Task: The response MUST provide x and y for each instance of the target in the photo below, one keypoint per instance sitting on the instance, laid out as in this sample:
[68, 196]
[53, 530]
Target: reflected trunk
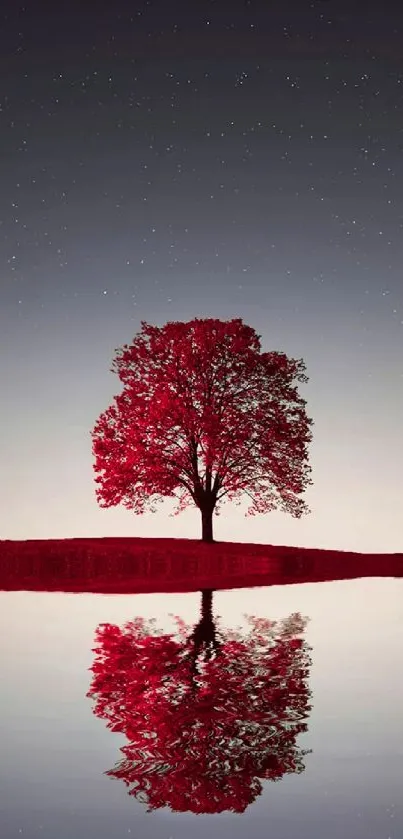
[203, 639]
[207, 605]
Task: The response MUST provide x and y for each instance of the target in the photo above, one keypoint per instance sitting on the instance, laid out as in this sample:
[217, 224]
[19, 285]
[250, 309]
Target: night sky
[170, 160]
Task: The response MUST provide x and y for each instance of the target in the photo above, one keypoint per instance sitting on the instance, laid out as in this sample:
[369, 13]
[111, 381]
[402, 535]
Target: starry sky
[164, 161]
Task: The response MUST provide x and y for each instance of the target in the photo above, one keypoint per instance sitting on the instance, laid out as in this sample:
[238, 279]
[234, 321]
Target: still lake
[348, 776]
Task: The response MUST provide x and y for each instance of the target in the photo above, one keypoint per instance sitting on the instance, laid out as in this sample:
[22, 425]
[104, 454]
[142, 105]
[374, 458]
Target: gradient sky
[164, 161]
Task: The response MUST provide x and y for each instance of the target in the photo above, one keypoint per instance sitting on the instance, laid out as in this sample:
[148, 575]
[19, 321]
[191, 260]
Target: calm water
[341, 777]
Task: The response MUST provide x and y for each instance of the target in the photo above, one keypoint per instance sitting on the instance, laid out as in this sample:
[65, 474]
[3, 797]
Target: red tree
[203, 414]
[207, 715]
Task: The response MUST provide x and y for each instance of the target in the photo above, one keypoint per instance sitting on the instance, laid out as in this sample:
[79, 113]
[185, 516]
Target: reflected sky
[55, 752]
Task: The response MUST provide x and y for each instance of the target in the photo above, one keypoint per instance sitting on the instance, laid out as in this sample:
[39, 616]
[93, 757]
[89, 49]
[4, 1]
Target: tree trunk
[207, 524]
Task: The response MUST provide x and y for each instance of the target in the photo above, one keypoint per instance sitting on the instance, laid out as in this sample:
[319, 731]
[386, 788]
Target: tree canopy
[204, 414]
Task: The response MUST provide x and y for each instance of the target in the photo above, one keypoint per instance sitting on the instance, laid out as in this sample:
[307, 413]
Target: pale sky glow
[54, 397]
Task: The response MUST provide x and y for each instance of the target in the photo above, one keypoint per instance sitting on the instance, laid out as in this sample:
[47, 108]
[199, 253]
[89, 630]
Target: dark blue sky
[164, 161]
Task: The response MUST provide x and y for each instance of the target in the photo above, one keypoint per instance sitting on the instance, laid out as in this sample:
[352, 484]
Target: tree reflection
[208, 713]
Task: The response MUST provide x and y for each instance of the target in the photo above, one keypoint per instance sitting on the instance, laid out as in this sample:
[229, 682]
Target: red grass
[133, 565]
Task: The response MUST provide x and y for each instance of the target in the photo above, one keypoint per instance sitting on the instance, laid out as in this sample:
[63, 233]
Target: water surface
[56, 750]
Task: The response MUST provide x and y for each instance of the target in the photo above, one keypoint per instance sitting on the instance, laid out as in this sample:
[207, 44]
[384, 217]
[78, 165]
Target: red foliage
[202, 739]
[203, 414]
